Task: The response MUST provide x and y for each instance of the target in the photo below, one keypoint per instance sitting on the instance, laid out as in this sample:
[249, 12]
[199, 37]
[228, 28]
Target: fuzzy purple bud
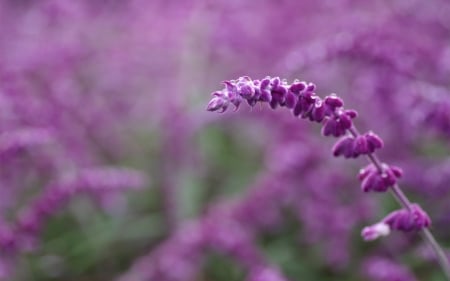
[298, 108]
[318, 111]
[373, 180]
[330, 127]
[278, 96]
[345, 122]
[373, 142]
[265, 83]
[334, 126]
[216, 103]
[247, 91]
[265, 96]
[290, 100]
[297, 87]
[275, 82]
[361, 145]
[351, 113]
[344, 147]
[333, 102]
[408, 220]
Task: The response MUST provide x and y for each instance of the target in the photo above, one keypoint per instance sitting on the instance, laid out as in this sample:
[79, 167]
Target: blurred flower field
[113, 168]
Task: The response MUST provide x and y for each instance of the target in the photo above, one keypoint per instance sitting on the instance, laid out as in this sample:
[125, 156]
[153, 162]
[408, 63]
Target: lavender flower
[298, 96]
[73, 102]
[302, 100]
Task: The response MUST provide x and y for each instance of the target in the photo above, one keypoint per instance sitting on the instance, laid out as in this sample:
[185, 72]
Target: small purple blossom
[408, 220]
[374, 180]
[402, 220]
[298, 97]
[351, 147]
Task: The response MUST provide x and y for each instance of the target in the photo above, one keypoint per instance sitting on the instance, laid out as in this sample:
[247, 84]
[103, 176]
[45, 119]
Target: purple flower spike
[300, 97]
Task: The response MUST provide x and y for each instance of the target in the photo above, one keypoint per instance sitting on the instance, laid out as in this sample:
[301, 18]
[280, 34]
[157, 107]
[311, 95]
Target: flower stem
[398, 194]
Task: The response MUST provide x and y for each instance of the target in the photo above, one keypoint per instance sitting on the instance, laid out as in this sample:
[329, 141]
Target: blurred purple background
[113, 170]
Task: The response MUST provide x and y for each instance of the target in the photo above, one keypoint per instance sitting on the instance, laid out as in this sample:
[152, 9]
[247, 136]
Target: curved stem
[406, 203]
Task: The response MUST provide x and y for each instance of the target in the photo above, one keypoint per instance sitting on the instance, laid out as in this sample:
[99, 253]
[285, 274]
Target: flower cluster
[374, 180]
[301, 99]
[298, 96]
[351, 147]
[404, 220]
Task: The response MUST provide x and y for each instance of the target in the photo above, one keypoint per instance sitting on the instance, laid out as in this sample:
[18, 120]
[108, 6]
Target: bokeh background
[111, 169]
